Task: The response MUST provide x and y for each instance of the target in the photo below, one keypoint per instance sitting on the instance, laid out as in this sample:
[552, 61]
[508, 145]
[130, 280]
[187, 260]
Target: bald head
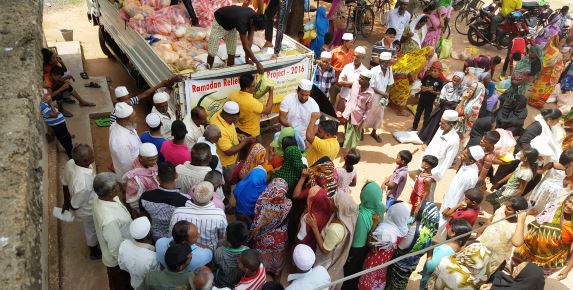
[212, 133]
[83, 155]
[185, 232]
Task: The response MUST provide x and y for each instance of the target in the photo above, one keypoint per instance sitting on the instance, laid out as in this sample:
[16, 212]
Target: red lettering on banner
[230, 81]
[276, 74]
[206, 87]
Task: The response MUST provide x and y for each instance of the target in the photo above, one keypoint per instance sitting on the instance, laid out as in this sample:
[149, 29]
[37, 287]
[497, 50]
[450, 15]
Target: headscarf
[291, 169]
[527, 68]
[323, 173]
[453, 93]
[272, 207]
[370, 204]
[484, 75]
[472, 108]
[249, 189]
[346, 211]
[321, 29]
[256, 156]
[481, 126]
[395, 226]
[319, 206]
[424, 29]
[530, 278]
[475, 258]
[286, 132]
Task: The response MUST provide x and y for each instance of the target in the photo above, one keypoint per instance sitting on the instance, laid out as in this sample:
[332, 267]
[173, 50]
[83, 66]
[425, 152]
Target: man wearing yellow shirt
[507, 6]
[249, 123]
[229, 144]
[322, 140]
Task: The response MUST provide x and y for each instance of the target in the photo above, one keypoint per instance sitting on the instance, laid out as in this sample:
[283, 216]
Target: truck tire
[102, 43]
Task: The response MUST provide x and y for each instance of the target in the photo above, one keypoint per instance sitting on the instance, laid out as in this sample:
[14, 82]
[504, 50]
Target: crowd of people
[202, 203]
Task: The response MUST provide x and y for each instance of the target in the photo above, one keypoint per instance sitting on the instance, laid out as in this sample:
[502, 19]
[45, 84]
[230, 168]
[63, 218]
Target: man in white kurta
[136, 255]
[444, 145]
[381, 79]
[297, 109]
[166, 115]
[124, 141]
[466, 178]
[350, 74]
[311, 277]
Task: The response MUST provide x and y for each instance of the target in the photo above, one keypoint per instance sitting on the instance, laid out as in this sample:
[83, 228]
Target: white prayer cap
[203, 192]
[360, 50]
[405, 1]
[147, 150]
[348, 36]
[366, 73]
[385, 55]
[231, 108]
[121, 91]
[326, 54]
[160, 97]
[153, 120]
[303, 257]
[139, 227]
[477, 152]
[123, 110]
[450, 115]
[305, 85]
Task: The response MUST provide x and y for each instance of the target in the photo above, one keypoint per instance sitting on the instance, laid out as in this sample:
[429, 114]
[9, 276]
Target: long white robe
[444, 147]
[464, 179]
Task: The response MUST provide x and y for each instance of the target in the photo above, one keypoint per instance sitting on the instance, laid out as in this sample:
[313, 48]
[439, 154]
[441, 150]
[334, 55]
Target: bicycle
[467, 15]
[381, 7]
[360, 18]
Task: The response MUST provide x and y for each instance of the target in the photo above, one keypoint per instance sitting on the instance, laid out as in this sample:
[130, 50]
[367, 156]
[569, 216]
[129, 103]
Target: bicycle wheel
[366, 22]
[350, 18]
[463, 20]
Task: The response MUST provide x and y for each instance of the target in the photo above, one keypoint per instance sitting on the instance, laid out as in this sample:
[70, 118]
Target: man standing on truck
[228, 21]
[249, 123]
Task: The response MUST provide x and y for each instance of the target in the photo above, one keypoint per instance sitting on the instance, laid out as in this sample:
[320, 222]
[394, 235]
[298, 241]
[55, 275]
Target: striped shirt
[324, 79]
[253, 282]
[132, 102]
[210, 220]
[46, 110]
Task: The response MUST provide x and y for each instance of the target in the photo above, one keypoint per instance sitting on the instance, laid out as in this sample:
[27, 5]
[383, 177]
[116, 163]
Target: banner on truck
[212, 94]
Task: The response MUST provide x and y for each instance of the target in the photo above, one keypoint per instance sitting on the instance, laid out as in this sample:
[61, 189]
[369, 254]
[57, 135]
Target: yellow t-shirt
[228, 139]
[508, 6]
[322, 147]
[250, 110]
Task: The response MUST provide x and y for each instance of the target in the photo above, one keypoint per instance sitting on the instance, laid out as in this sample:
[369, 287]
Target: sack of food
[263, 85]
[173, 14]
[156, 4]
[157, 25]
[196, 33]
[134, 7]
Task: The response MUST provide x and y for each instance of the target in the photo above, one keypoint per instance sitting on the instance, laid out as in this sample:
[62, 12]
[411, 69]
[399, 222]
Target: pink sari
[433, 36]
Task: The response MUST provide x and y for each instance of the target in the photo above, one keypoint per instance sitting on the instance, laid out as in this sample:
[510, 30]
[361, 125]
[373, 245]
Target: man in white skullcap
[166, 115]
[466, 178]
[154, 135]
[324, 74]
[195, 123]
[444, 145]
[382, 78]
[348, 76]
[298, 109]
[229, 144]
[143, 176]
[341, 56]
[77, 181]
[123, 139]
[122, 94]
[309, 278]
[398, 18]
[358, 107]
[137, 255]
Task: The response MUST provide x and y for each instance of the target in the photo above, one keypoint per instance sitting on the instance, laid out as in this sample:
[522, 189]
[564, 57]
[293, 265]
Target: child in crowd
[61, 89]
[487, 143]
[457, 228]
[226, 256]
[468, 209]
[55, 120]
[424, 183]
[347, 173]
[432, 85]
[327, 41]
[396, 182]
[517, 180]
[216, 179]
[254, 274]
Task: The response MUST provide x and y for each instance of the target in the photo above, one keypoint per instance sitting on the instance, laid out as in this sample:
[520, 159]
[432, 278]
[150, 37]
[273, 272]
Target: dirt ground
[377, 160]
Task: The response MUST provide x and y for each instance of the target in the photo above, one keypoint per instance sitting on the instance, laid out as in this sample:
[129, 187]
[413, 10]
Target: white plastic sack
[407, 137]
[216, 64]
[416, 87]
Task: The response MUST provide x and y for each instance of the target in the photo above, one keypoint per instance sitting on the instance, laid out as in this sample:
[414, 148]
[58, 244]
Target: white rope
[356, 275]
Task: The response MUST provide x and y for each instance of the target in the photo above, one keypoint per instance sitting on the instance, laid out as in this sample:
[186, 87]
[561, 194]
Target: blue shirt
[157, 141]
[201, 256]
[439, 253]
[46, 111]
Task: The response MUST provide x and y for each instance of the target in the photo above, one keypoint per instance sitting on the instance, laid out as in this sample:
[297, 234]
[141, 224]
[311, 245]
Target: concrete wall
[20, 149]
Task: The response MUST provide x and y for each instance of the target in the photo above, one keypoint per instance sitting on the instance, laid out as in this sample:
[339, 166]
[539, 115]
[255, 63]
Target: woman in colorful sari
[551, 71]
[568, 126]
[370, 213]
[269, 229]
[405, 71]
[550, 30]
[414, 35]
[336, 14]
[291, 168]
[548, 240]
[491, 99]
[321, 29]
[527, 70]
[469, 107]
[319, 206]
[422, 233]
[434, 25]
[384, 239]
[257, 156]
[467, 270]
[323, 170]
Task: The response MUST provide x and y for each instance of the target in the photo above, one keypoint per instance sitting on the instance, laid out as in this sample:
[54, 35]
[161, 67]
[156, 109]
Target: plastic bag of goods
[138, 25]
[197, 33]
[240, 52]
[407, 137]
[263, 85]
[134, 7]
[166, 52]
[157, 25]
[446, 48]
[173, 14]
[156, 4]
[504, 147]
[184, 63]
[179, 31]
[217, 63]
[205, 10]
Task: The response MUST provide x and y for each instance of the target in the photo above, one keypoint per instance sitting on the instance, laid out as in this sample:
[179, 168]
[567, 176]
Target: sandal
[92, 85]
[103, 122]
[67, 114]
[69, 101]
[87, 104]
[84, 75]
